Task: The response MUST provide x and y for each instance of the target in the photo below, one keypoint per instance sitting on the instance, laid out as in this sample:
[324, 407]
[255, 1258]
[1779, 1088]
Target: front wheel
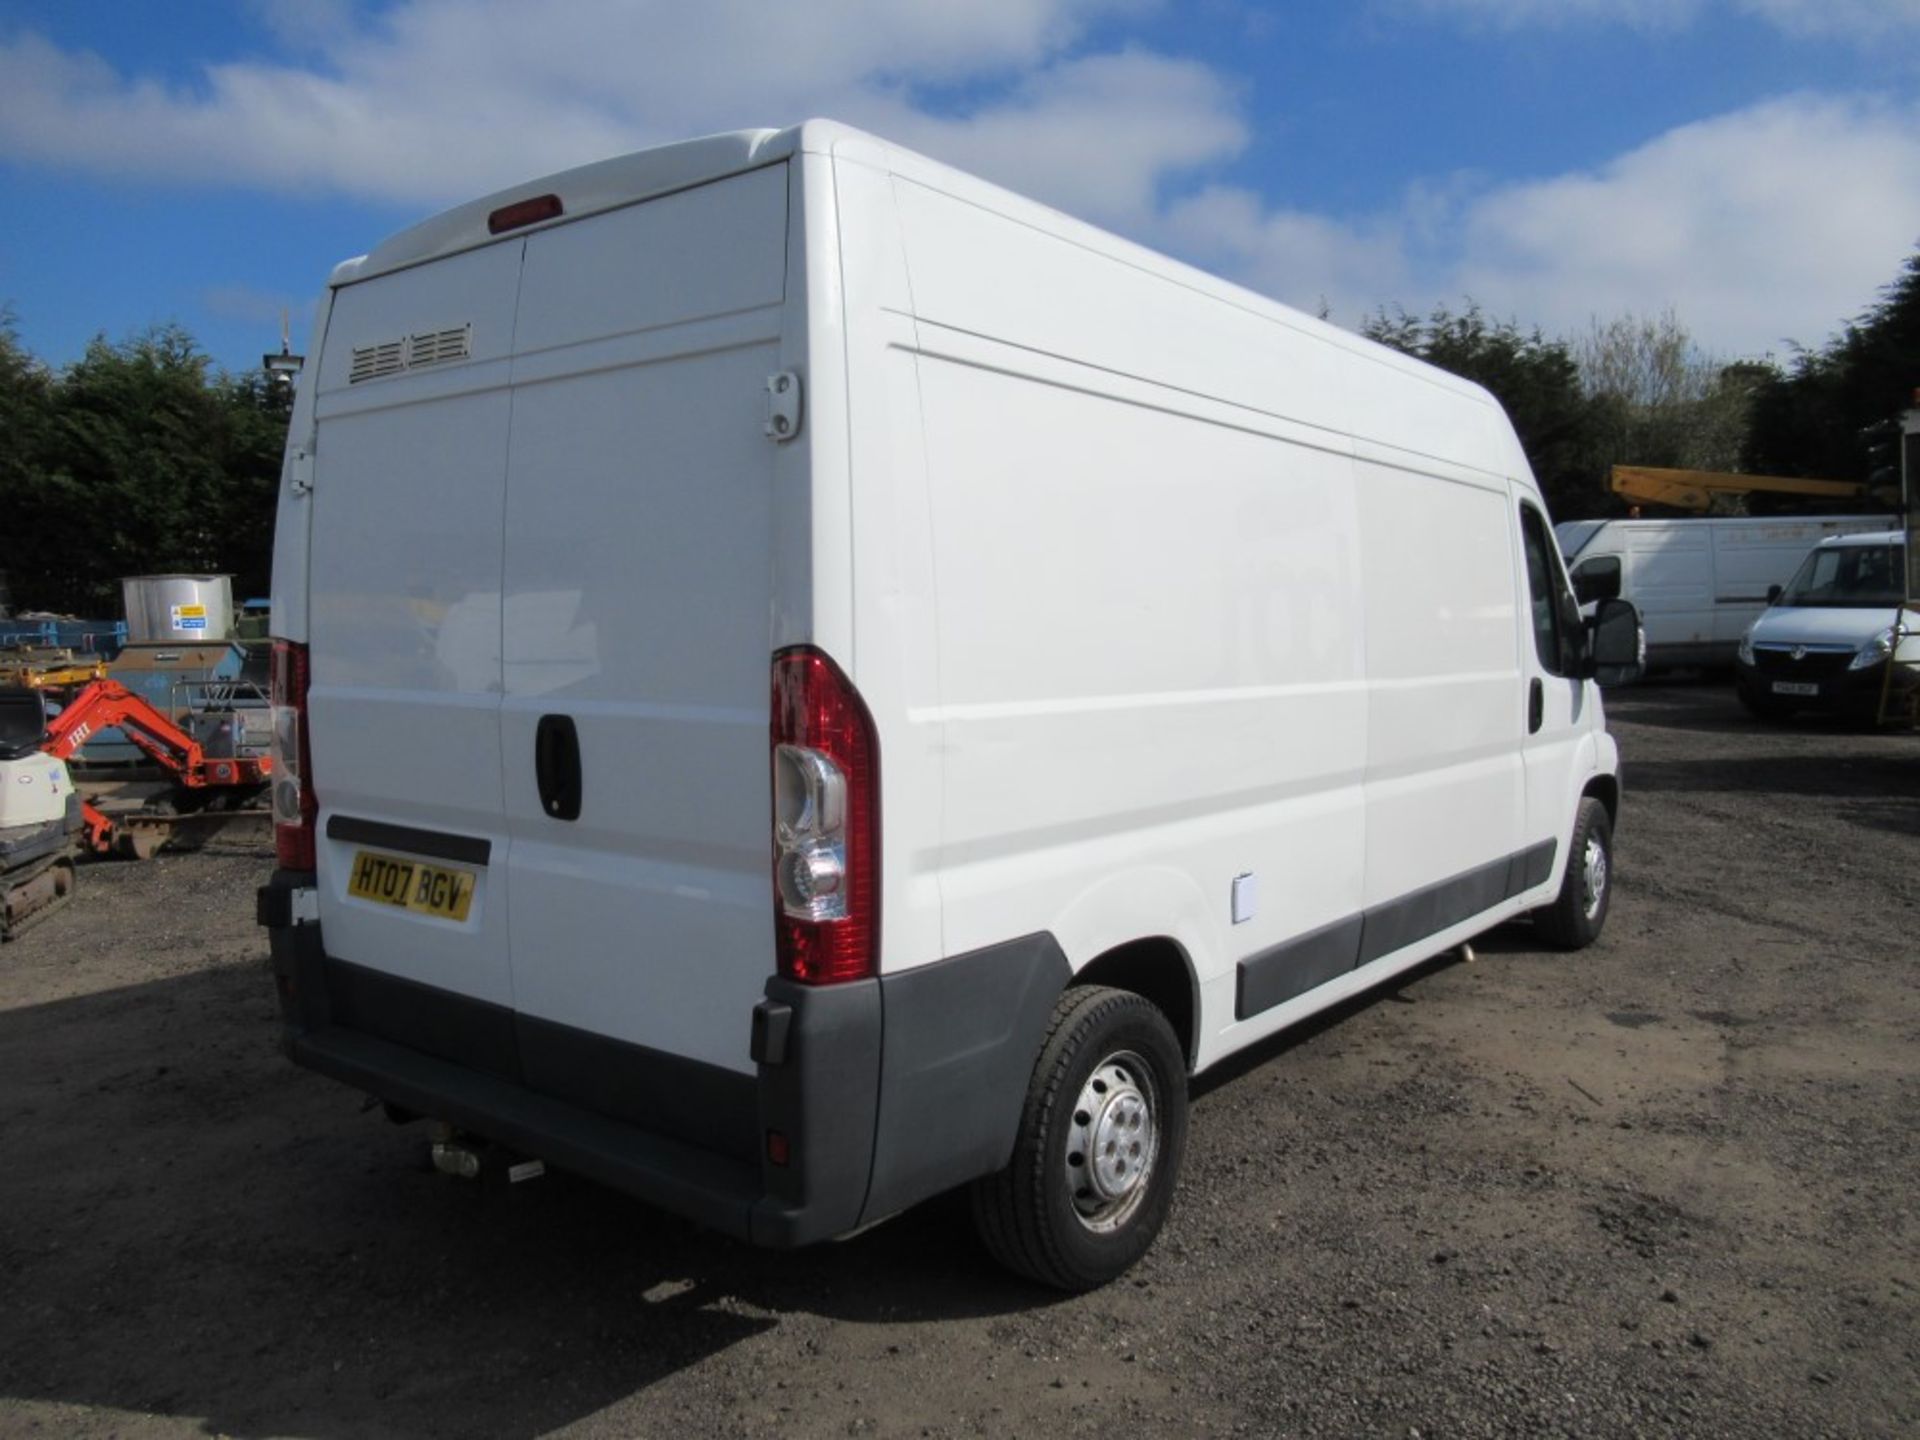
[1574, 919]
[1098, 1151]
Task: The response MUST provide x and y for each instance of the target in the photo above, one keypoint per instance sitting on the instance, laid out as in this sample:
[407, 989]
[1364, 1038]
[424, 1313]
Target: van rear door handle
[556, 766]
[1536, 705]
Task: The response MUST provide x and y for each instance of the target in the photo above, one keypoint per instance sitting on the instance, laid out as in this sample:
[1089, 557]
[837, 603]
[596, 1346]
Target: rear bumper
[848, 1075]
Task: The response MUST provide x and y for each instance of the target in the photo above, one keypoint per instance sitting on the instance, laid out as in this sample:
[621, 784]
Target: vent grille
[390, 357]
[438, 348]
[372, 361]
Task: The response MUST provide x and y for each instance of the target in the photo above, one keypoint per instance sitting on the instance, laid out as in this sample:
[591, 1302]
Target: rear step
[711, 1189]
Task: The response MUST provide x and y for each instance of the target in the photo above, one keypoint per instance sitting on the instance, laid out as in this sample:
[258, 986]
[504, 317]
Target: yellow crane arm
[1695, 489]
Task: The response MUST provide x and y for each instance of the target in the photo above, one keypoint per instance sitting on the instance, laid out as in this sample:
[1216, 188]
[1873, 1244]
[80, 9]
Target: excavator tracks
[30, 895]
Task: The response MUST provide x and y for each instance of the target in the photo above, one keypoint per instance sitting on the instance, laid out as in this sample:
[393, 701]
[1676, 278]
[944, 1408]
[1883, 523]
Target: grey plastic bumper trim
[1276, 976]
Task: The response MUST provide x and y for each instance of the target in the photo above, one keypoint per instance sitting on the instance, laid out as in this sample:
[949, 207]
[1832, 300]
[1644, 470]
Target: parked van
[805, 680]
[1698, 583]
[1827, 637]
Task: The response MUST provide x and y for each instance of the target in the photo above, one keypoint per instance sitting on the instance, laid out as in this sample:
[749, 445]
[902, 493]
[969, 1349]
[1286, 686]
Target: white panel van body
[1698, 582]
[789, 655]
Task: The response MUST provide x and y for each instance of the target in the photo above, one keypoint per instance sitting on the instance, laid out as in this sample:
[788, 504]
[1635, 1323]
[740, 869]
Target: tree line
[139, 458]
[1638, 391]
[143, 458]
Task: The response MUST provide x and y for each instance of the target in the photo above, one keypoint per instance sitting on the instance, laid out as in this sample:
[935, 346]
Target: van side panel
[1672, 579]
[1446, 711]
[1069, 290]
[1183, 635]
[1132, 687]
[293, 517]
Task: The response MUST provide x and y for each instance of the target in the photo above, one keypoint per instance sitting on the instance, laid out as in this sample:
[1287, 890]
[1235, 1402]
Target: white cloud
[1844, 19]
[1514, 14]
[435, 101]
[1764, 225]
[1094, 136]
[1312, 262]
[1858, 19]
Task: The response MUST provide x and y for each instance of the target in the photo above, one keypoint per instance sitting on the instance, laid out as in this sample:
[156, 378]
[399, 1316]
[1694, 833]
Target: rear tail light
[294, 805]
[826, 823]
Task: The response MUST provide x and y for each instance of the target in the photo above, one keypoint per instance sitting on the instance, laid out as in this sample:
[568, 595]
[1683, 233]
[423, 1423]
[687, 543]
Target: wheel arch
[1157, 968]
[1605, 789]
[1149, 929]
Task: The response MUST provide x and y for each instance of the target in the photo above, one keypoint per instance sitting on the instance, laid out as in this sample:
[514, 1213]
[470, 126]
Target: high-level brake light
[524, 212]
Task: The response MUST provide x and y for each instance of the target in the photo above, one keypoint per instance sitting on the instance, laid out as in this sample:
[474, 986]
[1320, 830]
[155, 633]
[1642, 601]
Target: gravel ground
[1661, 1188]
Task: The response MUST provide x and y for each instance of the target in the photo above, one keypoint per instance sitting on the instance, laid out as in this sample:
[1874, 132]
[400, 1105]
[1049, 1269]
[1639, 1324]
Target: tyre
[1763, 707]
[1098, 1151]
[1574, 920]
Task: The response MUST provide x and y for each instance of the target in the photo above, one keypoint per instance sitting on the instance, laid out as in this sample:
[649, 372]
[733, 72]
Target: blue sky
[1752, 164]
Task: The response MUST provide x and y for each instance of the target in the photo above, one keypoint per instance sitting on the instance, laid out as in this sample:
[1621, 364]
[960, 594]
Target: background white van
[1698, 582]
[804, 680]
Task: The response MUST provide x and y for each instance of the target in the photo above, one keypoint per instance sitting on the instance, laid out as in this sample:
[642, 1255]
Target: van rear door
[637, 625]
[412, 412]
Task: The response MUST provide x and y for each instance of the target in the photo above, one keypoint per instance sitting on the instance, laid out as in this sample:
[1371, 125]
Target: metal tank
[178, 609]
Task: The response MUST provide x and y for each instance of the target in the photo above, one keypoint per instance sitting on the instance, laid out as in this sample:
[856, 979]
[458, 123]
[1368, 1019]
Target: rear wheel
[1098, 1152]
[1574, 920]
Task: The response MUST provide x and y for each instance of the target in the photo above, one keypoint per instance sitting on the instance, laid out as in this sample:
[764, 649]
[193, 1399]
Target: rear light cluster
[294, 805]
[826, 823]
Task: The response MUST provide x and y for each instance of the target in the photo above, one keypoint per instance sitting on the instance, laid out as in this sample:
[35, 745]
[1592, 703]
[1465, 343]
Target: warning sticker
[189, 617]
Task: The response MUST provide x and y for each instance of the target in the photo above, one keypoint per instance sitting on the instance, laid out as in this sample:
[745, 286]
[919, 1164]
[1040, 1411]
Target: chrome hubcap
[1113, 1142]
[1593, 875]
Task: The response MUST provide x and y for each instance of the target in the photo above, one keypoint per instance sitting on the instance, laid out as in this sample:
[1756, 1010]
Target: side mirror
[1598, 579]
[1616, 644]
[1773, 594]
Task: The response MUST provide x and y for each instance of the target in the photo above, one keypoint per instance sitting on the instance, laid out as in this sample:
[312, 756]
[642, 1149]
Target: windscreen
[1859, 576]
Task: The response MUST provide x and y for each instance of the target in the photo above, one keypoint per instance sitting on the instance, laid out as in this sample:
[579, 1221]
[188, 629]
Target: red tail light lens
[524, 212]
[826, 823]
[294, 805]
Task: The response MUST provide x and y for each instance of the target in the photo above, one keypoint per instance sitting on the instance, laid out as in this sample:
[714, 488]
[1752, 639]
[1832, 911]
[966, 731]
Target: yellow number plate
[410, 885]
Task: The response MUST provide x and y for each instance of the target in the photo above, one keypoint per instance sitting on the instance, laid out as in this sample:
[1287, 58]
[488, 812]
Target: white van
[1828, 635]
[1698, 582]
[805, 680]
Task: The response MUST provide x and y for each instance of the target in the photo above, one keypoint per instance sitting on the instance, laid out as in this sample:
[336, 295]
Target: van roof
[583, 190]
[1734, 522]
[627, 179]
[1869, 537]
